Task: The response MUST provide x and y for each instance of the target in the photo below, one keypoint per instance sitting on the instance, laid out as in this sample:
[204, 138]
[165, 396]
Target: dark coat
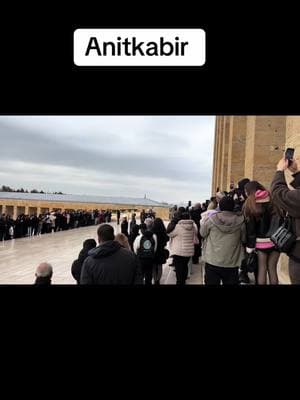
[111, 264]
[160, 255]
[42, 281]
[88, 245]
[124, 228]
[262, 227]
[289, 201]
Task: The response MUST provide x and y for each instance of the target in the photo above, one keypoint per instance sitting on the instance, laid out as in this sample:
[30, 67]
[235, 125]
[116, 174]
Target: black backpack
[146, 250]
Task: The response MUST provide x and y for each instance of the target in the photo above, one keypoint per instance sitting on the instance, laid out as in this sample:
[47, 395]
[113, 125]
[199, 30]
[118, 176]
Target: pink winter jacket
[183, 238]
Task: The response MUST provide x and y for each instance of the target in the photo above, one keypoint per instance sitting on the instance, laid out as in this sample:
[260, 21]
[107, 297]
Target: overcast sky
[168, 158]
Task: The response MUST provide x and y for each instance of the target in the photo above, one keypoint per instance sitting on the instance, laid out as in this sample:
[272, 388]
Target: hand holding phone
[289, 155]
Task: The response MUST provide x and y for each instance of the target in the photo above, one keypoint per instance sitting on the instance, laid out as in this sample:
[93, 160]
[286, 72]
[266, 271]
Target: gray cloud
[150, 153]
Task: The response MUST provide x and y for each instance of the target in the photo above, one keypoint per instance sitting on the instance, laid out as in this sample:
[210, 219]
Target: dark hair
[105, 232]
[158, 226]
[226, 203]
[135, 229]
[253, 186]
[89, 244]
[185, 215]
[181, 209]
[143, 227]
[242, 183]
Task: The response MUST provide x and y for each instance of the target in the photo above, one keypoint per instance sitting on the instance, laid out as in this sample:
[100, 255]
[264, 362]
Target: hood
[105, 249]
[187, 224]
[227, 221]
[148, 234]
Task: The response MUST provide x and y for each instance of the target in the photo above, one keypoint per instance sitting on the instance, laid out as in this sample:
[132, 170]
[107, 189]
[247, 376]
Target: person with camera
[289, 201]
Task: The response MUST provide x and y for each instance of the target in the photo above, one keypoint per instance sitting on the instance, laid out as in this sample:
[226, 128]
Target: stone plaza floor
[20, 257]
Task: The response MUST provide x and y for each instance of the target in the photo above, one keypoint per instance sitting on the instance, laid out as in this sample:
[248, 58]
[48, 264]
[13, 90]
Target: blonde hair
[123, 240]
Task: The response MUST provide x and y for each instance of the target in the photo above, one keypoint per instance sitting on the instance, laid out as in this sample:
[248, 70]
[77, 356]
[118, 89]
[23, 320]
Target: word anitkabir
[127, 47]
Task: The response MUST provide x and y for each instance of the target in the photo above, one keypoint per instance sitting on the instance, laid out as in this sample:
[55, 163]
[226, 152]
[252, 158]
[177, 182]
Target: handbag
[284, 239]
[251, 262]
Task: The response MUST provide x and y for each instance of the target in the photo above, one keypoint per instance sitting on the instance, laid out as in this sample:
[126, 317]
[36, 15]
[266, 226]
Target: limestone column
[292, 138]
[3, 209]
[224, 157]
[26, 210]
[265, 140]
[219, 151]
[15, 212]
[236, 149]
[214, 156]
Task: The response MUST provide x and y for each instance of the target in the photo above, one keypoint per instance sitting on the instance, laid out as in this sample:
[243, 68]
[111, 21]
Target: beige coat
[183, 238]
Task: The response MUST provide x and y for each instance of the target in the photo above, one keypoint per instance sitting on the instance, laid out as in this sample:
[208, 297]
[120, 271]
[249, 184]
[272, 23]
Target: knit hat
[262, 196]
[226, 204]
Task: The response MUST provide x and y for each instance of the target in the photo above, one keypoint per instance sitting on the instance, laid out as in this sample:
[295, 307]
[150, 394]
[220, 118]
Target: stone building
[14, 204]
[250, 147]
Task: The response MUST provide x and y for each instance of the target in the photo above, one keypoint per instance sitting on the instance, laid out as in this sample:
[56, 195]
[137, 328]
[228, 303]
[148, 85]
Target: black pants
[147, 267]
[2, 234]
[215, 275]
[181, 269]
[197, 253]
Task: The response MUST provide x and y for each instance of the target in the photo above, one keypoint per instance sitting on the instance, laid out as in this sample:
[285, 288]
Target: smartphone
[289, 155]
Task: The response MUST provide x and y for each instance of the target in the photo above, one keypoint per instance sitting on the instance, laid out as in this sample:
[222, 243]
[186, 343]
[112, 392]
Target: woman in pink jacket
[182, 246]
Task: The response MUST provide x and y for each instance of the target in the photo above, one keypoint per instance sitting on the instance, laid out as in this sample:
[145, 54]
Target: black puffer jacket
[111, 264]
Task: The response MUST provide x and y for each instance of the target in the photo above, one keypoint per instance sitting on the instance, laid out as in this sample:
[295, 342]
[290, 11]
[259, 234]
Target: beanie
[226, 204]
[262, 196]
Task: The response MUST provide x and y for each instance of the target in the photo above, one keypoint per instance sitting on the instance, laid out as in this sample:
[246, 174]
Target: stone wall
[250, 146]
[255, 144]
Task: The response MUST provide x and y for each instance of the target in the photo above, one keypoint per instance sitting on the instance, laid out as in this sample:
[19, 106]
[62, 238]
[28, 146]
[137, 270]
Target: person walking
[161, 254]
[124, 226]
[145, 246]
[118, 217]
[182, 246]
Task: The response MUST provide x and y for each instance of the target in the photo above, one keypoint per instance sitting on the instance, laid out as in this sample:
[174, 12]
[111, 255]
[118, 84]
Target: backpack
[146, 250]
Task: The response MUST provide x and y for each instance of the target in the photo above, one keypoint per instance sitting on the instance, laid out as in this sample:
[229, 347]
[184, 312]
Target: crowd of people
[235, 233]
[55, 221]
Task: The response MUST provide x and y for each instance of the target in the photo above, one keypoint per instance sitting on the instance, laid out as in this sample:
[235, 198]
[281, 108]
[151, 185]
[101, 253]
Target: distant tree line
[9, 189]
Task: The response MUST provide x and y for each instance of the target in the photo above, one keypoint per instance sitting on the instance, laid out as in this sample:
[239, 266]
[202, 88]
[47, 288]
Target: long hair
[251, 208]
[159, 227]
[123, 240]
